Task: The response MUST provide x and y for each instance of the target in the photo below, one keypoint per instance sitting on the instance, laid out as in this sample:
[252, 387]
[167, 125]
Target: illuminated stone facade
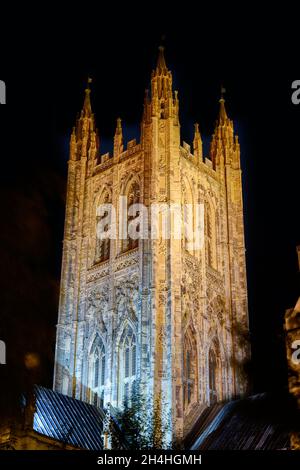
[156, 311]
[292, 329]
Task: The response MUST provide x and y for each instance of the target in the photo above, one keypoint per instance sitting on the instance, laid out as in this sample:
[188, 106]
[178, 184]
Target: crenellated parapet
[105, 161]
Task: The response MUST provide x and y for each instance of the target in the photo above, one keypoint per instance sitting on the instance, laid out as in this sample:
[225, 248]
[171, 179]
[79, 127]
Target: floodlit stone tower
[292, 329]
[155, 310]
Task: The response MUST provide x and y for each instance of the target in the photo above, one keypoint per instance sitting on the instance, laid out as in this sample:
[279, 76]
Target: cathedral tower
[161, 310]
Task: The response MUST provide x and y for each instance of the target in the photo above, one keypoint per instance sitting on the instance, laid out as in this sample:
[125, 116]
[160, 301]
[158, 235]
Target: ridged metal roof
[67, 419]
[256, 423]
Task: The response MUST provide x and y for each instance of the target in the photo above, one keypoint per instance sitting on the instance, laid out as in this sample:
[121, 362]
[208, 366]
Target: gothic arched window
[189, 371]
[188, 217]
[214, 373]
[213, 396]
[103, 220]
[186, 223]
[96, 379]
[133, 227]
[127, 364]
[210, 236]
[96, 369]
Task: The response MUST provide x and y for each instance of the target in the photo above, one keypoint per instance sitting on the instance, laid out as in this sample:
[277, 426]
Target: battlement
[107, 159]
[132, 149]
[186, 152]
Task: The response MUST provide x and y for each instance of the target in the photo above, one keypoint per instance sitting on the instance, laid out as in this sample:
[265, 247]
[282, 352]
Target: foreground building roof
[68, 420]
[261, 422]
[56, 421]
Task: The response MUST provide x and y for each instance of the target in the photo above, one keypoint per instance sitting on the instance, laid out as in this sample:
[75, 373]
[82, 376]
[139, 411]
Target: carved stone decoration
[215, 280]
[161, 336]
[190, 305]
[163, 294]
[98, 306]
[215, 305]
[162, 247]
[126, 260]
[98, 272]
[126, 299]
[124, 177]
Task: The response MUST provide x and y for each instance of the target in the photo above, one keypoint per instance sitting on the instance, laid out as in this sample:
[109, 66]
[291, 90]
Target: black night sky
[46, 74]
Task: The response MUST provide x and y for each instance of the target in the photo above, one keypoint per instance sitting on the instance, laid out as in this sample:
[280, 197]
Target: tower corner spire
[161, 87]
[222, 118]
[85, 130]
[197, 142]
[161, 61]
[118, 138]
[119, 126]
[87, 108]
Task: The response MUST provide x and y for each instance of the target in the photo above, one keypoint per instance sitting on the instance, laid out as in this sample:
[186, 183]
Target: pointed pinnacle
[119, 126]
[161, 63]
[87, 108]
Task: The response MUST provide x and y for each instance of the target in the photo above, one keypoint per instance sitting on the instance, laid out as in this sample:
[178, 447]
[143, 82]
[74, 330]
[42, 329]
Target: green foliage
[141, 426]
